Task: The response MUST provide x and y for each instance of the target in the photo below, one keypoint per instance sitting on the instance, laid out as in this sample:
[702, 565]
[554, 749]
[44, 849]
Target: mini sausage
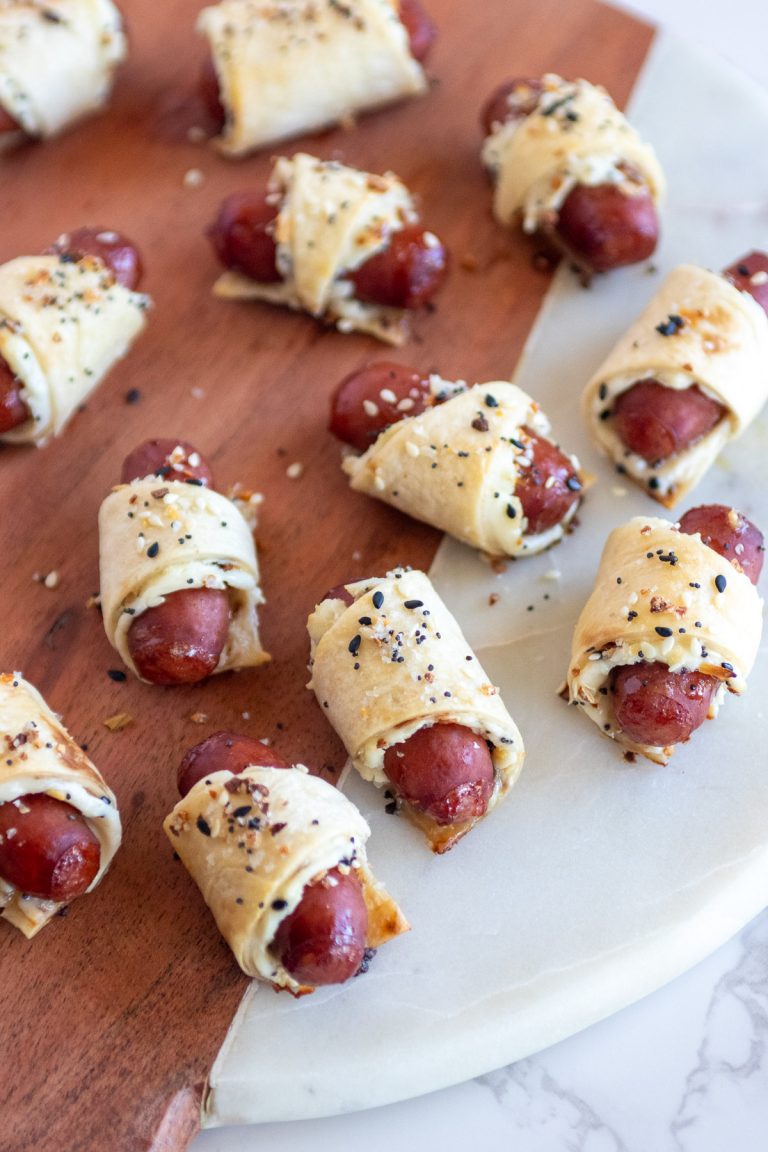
[181, 640]
[600, 226]
[47, 848]
[444, 770]
[369, 400]
[653, 705]
[13, 408]
[118, 253]
[656, 422]
[405, 274]
[323, 940]
[224, 752]
[422, 32]
[750, 274]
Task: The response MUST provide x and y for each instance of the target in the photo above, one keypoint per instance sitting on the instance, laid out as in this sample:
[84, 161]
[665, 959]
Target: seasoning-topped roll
[286, 67]
[57, 61]
[700, 349]
[341, 244]
[565, 162]
[415, 710]
[677, 605]
[59, 823]
[162, 537]
[255, 842]
[65, 321]
[476, 462]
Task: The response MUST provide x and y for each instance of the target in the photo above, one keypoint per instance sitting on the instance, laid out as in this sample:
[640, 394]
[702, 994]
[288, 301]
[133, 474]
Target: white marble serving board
[595, 882]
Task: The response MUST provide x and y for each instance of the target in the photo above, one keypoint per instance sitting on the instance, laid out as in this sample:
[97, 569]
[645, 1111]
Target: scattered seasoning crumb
[199, 717]
[494, 598]
[118, 721]
[132, 396]
[196, 134]
[117, 674]
[193, 178]
[47, 579]
[295, 470]
[93, 601]
[245, 715]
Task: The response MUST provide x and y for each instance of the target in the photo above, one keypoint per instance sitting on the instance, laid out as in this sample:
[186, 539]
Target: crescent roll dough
[576, 135]
[253, 842]
[698, 329]
[331, 220]
[57, 59]
[161, 536]
[394, 662]
[286, 67]
[39, 755]
[455, 466]
[63, 325]
[657, 597]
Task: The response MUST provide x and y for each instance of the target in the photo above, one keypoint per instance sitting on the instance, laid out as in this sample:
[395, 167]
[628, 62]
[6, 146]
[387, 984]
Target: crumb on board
[295, 470]
[118, 721]
[198, 393]
[50, 579]
[193, 178]
[494, 598]
[196, 134]
[199, 717]
[93, 601]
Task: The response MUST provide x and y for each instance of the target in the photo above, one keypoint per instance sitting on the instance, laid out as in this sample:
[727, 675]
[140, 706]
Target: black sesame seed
[378, 599]
[153, 550]
[133, 396]
[203, 826]
[278, 905]
[116, 674]
[354, 644]
[243, 810]
[573, 484]
[491, 401]
[365, 621]
[662, 631]
[413, 604]
[511, 511]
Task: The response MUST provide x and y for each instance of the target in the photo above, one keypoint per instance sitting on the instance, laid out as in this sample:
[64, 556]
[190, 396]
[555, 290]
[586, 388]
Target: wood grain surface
[112, 1016]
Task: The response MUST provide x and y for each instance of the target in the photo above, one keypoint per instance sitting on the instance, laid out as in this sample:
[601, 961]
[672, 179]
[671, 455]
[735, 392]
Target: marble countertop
[686, 1068]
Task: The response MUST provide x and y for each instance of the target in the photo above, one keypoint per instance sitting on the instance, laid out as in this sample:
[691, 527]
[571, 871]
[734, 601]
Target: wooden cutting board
[112, 1016]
